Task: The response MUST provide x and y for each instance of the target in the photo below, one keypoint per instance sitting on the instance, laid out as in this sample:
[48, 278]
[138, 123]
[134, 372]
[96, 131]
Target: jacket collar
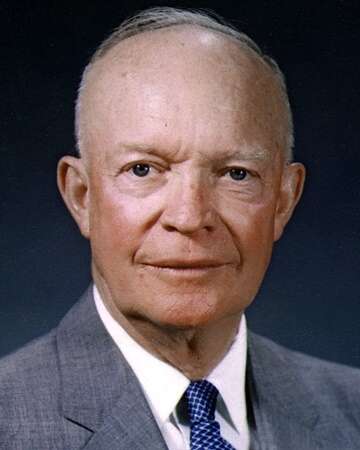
[288, 409]
[282, 412]
[278, 383]
[99, 391]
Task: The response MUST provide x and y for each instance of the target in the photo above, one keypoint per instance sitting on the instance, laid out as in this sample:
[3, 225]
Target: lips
[194, 264]
[184, 274]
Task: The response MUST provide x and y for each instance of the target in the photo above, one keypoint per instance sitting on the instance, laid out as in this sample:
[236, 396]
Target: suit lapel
[129, 426]
[286, 412]
[282, 412]
[100, 393]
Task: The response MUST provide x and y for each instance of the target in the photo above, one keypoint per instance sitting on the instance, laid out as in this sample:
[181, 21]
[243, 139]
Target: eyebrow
[245, 153]
[135, 147]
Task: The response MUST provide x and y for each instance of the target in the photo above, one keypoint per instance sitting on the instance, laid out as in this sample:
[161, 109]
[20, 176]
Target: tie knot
[201, 399]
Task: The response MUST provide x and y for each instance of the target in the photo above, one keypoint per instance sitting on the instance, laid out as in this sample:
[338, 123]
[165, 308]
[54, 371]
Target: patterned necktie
[204, 430]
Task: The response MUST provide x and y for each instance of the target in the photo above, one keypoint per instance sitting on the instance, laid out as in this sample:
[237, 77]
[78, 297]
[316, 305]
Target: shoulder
[329, 382]
[33, 365]
[29, 384]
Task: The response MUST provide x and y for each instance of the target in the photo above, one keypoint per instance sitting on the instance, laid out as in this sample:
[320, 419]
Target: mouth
[185, 268]
[184, 265]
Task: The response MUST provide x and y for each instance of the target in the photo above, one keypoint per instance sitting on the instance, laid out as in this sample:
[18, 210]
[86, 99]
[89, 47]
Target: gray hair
[163, 17]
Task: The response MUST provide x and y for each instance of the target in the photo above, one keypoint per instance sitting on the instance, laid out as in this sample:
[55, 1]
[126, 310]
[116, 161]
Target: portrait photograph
[180, 186]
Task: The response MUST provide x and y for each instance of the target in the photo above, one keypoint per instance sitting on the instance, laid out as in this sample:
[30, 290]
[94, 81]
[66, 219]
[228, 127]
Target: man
[185, 180]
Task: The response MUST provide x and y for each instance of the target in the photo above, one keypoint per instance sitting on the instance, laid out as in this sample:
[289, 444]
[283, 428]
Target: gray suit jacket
[72, 389]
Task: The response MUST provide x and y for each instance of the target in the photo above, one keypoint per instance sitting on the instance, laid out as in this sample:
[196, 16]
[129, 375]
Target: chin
[188, 312]
[184, 322]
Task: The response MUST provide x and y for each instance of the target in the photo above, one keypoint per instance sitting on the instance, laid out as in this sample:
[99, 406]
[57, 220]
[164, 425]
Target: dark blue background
[310, 298]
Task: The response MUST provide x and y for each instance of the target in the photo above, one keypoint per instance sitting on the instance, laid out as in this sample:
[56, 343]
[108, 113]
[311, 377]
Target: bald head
[200, 52]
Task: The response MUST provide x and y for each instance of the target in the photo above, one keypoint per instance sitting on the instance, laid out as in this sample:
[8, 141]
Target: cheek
[261, 231]
[251, 226]
[118, 223]
[252, 232]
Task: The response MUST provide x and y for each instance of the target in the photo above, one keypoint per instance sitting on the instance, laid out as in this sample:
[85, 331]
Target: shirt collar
[164, 385]
[229, 377]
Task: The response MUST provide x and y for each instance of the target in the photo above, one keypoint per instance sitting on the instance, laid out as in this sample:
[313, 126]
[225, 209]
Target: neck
[193, 351]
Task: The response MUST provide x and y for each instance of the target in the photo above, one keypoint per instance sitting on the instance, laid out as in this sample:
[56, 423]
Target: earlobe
[73, 185]
[291, 188]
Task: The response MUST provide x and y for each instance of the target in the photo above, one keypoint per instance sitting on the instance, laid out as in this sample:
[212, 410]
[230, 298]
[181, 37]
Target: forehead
[194, 53]
[180, 77]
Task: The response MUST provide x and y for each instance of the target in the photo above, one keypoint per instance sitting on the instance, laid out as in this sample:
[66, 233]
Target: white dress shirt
[163, 386]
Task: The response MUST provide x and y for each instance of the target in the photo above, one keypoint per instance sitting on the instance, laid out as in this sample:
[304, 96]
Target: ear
[73, 184]
[292, 184]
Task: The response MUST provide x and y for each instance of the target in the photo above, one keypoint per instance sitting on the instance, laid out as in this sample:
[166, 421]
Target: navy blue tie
[204, 430]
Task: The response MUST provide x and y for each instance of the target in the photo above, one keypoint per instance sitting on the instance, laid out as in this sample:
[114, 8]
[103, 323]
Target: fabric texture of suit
[72, 389]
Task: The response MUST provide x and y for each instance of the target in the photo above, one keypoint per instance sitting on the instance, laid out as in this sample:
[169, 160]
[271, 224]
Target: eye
[238, 173]
[140, 170]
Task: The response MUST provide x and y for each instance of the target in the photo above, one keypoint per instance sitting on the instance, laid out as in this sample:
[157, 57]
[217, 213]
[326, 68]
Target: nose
[189, 208]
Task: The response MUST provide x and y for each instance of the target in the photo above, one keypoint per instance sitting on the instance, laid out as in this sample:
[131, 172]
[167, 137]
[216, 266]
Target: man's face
[185, 176]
